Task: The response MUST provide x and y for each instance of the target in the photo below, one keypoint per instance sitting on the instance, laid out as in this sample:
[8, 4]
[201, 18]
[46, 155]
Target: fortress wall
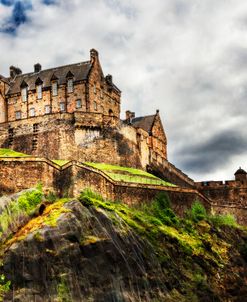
[17, 174]
[226, 195]
[240, 213]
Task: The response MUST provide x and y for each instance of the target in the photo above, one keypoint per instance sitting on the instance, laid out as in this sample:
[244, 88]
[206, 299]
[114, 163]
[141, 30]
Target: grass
[11, 153]
[158, 223]
[125, 174]
[60, 162]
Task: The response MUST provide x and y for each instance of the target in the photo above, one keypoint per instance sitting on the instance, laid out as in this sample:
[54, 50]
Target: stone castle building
[73, 112]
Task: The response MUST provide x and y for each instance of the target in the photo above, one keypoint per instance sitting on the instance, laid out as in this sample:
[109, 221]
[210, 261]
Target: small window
[94, 89]
[32, 112]
[78, 103]
[24, 94]
[54, 88]
[95, 106]
[18, 115]
[70, 87]
[62, 107]
[101, 94]
[39, 92]
[47, 109]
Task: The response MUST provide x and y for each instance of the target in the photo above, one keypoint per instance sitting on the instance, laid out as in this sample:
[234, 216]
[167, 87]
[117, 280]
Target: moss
[25, 205]
[89, 240]
[48, 218]
[4, 286]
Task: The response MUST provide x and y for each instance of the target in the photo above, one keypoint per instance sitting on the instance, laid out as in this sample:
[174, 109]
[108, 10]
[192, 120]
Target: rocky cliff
[89, 249]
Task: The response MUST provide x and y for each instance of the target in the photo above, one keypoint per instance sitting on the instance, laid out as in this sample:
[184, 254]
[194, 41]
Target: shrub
[223, 220]
[161, 209]
[87, 195]
[4, 286]
[197, 212]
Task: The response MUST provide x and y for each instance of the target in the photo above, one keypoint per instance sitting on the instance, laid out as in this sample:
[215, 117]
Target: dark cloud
[17, 17]
[7, 2]
[49, 2]
[212, 154]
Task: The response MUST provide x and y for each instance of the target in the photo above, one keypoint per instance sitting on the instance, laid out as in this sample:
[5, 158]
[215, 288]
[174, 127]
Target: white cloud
[187, 58]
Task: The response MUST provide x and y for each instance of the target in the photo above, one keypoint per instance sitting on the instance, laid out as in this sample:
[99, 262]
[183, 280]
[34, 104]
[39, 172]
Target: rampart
[22, 173]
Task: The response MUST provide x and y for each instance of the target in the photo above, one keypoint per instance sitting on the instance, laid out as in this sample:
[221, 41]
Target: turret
[241, 175]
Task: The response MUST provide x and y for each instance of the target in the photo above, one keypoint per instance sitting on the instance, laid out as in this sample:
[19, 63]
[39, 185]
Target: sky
[187, 58]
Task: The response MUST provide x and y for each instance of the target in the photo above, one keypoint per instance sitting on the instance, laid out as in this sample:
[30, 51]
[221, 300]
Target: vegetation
[125, 174]
[157, 220]
[18, 209]
[11, 153]
[4, 286]
[60, 162]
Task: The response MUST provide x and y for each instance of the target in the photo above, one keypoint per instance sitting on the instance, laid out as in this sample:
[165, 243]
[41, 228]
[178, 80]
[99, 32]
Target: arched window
[110, 112]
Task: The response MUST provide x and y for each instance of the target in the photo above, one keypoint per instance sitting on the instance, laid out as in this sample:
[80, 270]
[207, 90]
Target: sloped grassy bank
[91, 249]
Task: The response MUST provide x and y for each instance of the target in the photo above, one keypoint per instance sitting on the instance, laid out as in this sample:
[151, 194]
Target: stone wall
[73, 177]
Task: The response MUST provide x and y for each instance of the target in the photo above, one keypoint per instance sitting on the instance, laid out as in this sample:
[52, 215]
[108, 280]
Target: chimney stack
[37, 68]
[108, 79]
[93, 55]
[129, 116]
[14, 71]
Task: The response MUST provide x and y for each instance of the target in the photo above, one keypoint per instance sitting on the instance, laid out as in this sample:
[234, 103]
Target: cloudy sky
[186, 57]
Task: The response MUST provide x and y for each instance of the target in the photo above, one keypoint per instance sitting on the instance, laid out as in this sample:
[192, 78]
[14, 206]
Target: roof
[144, 122]
[240, 171]
[2, 78]
[80, 72]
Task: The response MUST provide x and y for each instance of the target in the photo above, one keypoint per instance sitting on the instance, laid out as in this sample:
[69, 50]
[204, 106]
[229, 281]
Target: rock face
[83, 258]
[89, 254]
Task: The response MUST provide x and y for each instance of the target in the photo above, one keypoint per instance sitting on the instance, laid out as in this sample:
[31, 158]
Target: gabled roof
[80, 72]
[144, 122]
[2, 78]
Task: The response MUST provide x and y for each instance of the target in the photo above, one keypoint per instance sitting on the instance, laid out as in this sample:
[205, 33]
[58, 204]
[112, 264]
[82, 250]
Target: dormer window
[54, 89]
[24, 94]
[39, 92]
[39, 84]
[70, 87]
[24, 90]
[70, 84]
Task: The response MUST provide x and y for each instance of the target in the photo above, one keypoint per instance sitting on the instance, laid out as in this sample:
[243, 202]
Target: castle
[72, 112]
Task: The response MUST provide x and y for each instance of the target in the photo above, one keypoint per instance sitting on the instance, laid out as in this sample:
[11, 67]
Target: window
[78, 103]
[32, 112]
[24, 94]
[54, 88]
[62, 107]
[94, 89]
[18, 115]
[70, 86]
[95, 106]
[39, 92]
[47, 109]
[101, 94]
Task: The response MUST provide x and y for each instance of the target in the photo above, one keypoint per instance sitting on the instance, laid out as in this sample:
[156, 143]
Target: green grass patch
[11, 153]
[132, 175]
[60, 162]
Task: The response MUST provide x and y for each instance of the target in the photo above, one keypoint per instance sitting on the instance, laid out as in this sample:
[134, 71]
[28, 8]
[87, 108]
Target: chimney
[129, 116]
[14, 71]
[37, 68]
[93, 55]
[108, 79]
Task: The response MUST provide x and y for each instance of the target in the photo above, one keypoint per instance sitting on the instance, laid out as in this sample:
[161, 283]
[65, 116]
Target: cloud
[187, 58]
[18, 15]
